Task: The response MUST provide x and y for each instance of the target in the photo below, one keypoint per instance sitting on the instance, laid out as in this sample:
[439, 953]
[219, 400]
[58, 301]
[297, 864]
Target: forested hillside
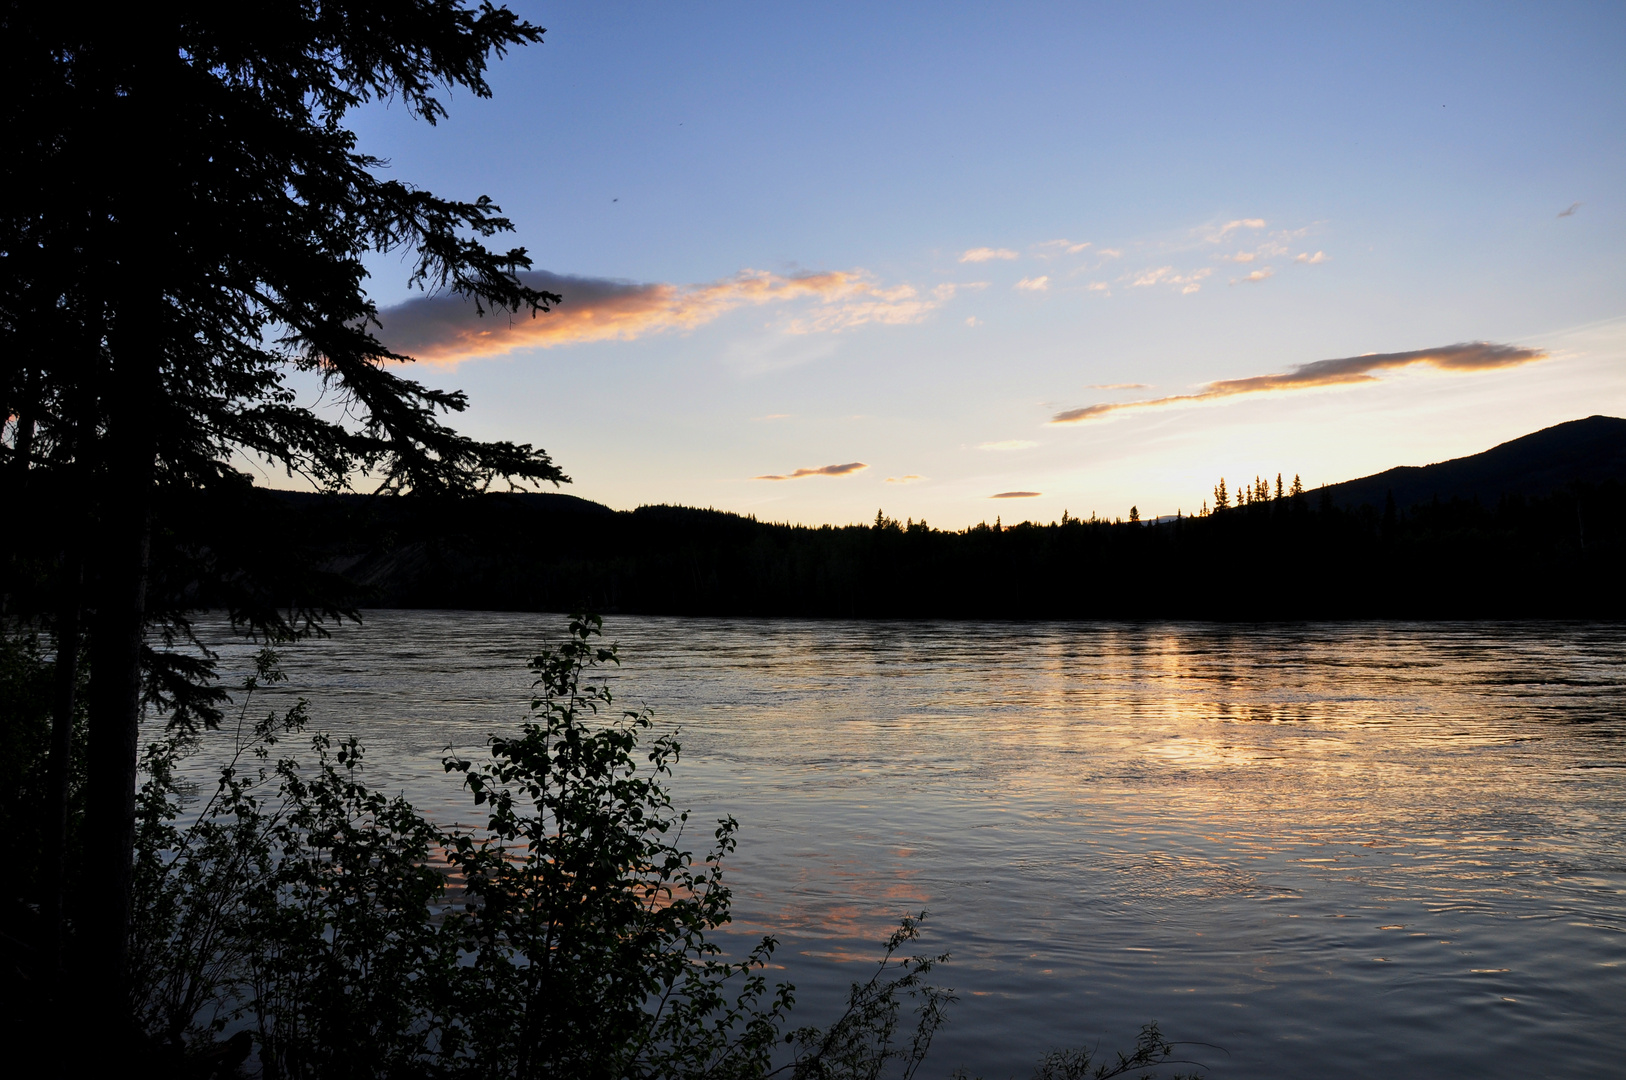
[1561, 555]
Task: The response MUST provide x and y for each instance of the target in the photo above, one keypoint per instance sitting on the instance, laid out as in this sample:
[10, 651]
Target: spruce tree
[186, 227]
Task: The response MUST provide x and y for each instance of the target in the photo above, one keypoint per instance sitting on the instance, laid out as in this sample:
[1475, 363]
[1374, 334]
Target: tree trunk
[115, 717]
[60, 770]
[117, 628]
[138, 340]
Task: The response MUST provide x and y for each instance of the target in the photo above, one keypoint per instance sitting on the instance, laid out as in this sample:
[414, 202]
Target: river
[1341, 850]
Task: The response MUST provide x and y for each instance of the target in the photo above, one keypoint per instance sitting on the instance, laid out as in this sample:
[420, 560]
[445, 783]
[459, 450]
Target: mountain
[1588, 451]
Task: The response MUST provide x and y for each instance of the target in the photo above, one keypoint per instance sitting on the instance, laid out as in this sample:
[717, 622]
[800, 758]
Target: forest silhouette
[1534, 528]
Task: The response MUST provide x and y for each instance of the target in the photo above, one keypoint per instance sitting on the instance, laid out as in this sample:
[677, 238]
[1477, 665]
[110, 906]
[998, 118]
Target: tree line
[1290, 557]
[1258, 493]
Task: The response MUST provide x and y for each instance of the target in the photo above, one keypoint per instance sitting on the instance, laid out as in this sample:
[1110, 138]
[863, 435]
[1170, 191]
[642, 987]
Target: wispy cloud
[1034, 284]
[984, 254]
[909, 479]
[1573, 207]
[1118, 386]
[446, 329]
[1217, 234]
[1052, 248]
[1465, 357]
[896, 306]
[1096, 286]
[1008, 444]
[1166, 275]
[1306, 257]
[775, 416]
[1110, 253]
[1017, 495]
[824, 470]
[1240, 257]
[1261, 274]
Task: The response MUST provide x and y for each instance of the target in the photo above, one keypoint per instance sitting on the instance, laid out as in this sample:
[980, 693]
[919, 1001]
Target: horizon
[1237, 488]
[819, 262]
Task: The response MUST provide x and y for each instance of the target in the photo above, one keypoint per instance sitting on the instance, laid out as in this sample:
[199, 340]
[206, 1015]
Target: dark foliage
[26, 679]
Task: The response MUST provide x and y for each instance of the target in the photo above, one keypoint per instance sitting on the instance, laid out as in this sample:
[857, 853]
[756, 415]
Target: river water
[1341, 850]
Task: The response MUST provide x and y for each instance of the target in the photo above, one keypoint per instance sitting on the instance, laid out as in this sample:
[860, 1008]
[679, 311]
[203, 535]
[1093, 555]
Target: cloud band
[823, 470]
[1464, 357]
[446, 329]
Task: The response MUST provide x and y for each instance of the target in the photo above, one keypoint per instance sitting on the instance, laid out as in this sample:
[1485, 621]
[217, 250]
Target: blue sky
[760, 216]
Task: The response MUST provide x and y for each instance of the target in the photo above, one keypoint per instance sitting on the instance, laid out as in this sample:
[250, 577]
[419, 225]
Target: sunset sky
[823, 259]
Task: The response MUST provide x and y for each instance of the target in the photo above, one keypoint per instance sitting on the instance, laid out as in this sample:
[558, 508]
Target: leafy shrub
[300, 904]
[567, 938]
[585, 930]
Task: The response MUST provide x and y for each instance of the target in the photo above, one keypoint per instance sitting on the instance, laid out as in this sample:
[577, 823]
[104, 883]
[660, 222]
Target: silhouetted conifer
[184, 199]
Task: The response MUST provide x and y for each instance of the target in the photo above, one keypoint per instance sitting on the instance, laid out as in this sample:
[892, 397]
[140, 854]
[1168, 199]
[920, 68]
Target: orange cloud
[446, 329]
[912, 478]
[1017, 495]
[1467, 356]
[826, 470]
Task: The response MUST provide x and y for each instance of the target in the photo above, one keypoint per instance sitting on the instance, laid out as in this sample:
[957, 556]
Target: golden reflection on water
[1369, 839]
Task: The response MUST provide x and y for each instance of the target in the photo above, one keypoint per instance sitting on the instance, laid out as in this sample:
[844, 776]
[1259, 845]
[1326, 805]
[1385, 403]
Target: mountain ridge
[1591, 450]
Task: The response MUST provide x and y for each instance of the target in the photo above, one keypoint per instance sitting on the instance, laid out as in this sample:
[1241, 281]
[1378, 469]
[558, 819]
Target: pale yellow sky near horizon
[1169, 458]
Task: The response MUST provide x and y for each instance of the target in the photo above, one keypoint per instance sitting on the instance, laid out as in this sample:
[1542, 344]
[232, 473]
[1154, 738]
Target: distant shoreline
[1532, 529]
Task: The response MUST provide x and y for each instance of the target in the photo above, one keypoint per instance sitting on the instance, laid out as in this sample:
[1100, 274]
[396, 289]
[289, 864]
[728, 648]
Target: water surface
[1333, 849]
